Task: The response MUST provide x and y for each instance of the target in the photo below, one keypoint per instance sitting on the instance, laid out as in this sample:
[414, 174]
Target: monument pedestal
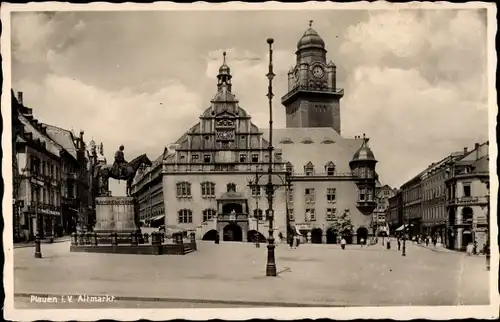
[115, 215]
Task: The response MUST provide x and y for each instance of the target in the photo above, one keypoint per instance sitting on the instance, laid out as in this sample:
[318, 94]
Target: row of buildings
[211, 179]
[52, 181]
[448, 201]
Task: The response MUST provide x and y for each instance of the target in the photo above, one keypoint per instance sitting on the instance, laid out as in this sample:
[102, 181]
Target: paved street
[234, 274]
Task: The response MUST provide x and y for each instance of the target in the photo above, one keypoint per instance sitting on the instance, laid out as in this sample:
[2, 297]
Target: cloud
[416, 86]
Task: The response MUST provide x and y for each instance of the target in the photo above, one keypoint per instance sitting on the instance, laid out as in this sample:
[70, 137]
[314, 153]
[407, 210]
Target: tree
[342, 222]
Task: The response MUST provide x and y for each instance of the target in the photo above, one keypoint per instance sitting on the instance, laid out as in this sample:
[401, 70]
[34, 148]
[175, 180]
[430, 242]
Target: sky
[415, 80]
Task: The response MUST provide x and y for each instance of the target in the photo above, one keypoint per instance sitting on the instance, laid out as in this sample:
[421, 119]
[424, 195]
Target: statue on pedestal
[121, 169]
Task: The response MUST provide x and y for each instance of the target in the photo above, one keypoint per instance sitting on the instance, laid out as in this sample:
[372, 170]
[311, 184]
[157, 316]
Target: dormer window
[289, 167]
[231, 187]
[286, 140]
[255, 157]
[195, 157]
[330, 169]
[307, 141]
[206, 158]
[309, 169]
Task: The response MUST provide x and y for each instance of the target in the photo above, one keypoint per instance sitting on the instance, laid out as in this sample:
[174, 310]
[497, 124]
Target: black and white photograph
[241, 160]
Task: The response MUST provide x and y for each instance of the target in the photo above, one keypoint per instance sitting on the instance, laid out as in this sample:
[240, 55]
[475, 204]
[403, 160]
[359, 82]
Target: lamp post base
[271, 264]
[38, 251]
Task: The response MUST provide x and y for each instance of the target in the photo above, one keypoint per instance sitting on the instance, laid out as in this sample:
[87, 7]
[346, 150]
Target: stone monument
[117, 214]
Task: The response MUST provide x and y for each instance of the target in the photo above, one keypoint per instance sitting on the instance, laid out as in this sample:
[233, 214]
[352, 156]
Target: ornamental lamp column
[271, 262]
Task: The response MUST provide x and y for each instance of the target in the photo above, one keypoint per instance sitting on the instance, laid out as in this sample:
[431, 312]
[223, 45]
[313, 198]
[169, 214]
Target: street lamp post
[404, 236]
[38, 250]
[271, 263]
[254, 185]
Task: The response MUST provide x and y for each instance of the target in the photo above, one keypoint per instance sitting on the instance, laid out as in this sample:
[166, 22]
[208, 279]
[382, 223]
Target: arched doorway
[361, 233]
[210, 235]
[251, 236]
[331, 236]
[451, 229]
[229, 207]
[316, 236]
[232, 232]
[347, 235]
[467, 219]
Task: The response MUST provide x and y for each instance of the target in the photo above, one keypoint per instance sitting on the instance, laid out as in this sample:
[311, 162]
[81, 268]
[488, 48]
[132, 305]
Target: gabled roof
[319, 151]
[63, 137]
[51, 146]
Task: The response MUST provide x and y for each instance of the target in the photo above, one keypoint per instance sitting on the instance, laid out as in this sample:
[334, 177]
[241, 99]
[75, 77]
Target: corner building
[206, 173]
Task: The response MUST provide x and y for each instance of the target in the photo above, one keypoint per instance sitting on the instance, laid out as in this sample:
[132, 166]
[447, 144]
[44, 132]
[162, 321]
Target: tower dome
[224, 68]
[364, 153]
[310, 39]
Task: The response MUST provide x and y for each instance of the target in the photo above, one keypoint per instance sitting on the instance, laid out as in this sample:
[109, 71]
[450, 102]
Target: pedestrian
[399, 244]
[427, 241]
[434, 242]
[362, 242]
[469, 249]
[342, 243]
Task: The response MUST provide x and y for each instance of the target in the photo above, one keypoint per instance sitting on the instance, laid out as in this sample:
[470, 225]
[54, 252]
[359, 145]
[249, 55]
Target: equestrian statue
[120, 170]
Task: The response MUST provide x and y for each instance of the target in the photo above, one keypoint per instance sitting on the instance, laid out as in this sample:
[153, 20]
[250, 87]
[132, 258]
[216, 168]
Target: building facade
[434, 201]
[46, 195]
[380, 220]
[468, 199]
[208, 175]
[395, 211]
[412, 205]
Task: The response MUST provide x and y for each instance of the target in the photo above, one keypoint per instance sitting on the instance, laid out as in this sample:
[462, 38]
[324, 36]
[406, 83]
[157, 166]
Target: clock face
[318, 72]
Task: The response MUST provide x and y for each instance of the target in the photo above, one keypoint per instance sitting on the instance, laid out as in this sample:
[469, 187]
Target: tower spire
[310, 23]
[224, 58]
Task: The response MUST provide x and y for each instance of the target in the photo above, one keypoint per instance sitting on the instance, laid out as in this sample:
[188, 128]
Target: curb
[45, 243]
[187, 300]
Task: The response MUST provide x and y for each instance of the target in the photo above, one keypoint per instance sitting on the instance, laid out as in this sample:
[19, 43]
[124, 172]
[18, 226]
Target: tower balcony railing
[298, 88]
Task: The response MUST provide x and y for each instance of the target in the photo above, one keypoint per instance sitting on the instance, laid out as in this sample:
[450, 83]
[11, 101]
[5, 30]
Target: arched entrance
[232, 232]
[361, 233]
[316, 236]
[229, 207]
[347, 235]
[251, 237]
[210, 235]
[331, 236]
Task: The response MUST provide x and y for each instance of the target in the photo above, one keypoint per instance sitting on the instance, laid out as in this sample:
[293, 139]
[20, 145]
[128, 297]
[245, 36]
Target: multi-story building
[45, 171]
[412, 205]
[395, 211]
[206, 174]
[381, 212]
[468, 199]
[148, 188]
[434, 214]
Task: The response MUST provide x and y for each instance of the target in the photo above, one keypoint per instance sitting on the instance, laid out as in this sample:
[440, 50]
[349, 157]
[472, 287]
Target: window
[185, 216]
[467, 190]
[207, 189]
[183, 190]
[310, 214]
[258, 214]
[195, 157]
[230, 187]
[255, 157]
[362, 192]
[206, 158]
[309, 195]
[331, 213]
[209, 214]
[291, 215]
[330, 169]
[369, 194]
[243, 158]
[330, 195]
[309, 169]
[256, 191]
[362, 173]
[289, 167]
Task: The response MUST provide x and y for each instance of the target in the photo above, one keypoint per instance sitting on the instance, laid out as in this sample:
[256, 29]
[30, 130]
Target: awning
[157, 217]
[403, 227]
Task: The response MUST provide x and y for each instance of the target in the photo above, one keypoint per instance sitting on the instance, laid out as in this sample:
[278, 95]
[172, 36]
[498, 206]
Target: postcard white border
[403, 313]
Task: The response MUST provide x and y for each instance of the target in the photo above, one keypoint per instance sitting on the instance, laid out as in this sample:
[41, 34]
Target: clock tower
[313, 99]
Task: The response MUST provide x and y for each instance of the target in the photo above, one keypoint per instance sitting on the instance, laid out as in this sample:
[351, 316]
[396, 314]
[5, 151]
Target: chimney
[465, 150]
[476, 147]
[20, 97]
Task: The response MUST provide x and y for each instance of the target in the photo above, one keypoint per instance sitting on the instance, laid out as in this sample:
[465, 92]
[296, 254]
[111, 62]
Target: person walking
[427, 241]
[399, 243]
[362, 242]
[342, 243]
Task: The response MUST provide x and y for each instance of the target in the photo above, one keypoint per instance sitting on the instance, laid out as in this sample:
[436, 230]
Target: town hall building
[211, 179]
